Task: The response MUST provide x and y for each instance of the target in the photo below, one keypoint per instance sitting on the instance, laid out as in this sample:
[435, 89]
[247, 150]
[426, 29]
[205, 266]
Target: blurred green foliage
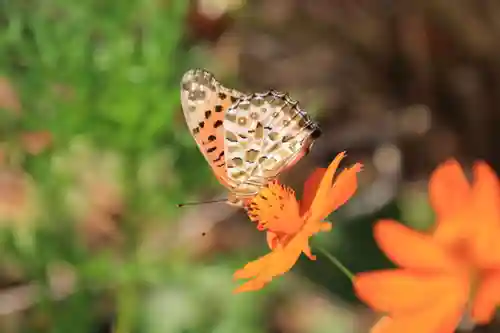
[102, 77]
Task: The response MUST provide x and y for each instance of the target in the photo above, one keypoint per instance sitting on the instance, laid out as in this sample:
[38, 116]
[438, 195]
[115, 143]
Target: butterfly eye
[316, 133]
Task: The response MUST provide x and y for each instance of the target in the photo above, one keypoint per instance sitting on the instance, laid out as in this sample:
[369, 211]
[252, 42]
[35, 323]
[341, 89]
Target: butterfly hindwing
[264, 132]
[244, 135]
[204, 102]
[288, 131]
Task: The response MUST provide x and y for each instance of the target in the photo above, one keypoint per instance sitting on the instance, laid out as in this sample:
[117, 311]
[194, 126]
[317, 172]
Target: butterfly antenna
[200, 203]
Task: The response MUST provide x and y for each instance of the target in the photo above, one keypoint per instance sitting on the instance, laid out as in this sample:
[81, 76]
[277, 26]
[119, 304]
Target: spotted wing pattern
[265, 133]
[204, 102]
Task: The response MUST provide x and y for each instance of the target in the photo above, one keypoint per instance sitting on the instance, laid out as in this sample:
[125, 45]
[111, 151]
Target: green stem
[337, 263]
[126, 307]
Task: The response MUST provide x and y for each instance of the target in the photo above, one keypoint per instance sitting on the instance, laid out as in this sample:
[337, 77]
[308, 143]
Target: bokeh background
[95, 155]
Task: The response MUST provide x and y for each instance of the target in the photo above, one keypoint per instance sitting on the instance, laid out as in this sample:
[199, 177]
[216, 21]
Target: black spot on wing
[221, 155]
[218, 123]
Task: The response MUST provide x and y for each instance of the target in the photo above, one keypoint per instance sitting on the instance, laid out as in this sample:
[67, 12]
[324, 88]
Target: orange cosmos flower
[290, 223]
[440, 271]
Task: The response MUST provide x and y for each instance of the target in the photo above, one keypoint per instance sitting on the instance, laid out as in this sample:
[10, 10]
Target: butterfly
[247, 139]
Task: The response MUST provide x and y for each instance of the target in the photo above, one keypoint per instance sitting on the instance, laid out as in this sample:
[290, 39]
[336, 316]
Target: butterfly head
[238, 200]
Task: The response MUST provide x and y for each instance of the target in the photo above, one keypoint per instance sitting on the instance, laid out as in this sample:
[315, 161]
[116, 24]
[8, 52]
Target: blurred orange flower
[440, 271]
[36, 142]
[290, 223]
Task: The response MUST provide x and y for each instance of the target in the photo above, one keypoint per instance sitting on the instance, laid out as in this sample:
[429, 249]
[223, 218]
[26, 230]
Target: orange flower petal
[310, 187]
[321, 199]
[331, 195]
[442, 317]
[277, 239]
[276, 263]
[272, 239]
[449, 189]
[407, 324]
[383, 325]
[487, 298]
[400, 291]
[450, 196]
[410, 249]
[254, 268]
[345, 186]
[485, 218]
[452, 232]
[252, 285]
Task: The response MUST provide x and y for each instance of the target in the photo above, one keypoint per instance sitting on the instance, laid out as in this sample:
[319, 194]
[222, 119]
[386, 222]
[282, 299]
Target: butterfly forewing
[264, 133]
[204, 102]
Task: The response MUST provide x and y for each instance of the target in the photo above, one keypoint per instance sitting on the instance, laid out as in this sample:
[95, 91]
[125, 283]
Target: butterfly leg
[233, 200]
